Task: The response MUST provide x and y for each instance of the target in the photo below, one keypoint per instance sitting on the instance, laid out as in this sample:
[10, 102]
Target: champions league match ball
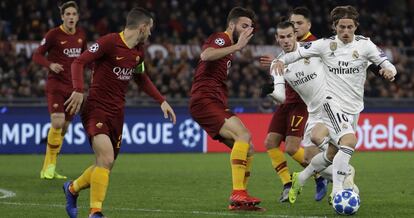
[346, 202]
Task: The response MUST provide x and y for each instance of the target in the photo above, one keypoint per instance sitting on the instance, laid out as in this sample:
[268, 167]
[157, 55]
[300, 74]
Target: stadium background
[173, 51]
[196, 184]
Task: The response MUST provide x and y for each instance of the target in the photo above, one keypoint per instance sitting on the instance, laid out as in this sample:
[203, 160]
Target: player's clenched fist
[387, 74]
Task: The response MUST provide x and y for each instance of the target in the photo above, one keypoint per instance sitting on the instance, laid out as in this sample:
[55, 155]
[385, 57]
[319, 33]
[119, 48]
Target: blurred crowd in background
[388, 23]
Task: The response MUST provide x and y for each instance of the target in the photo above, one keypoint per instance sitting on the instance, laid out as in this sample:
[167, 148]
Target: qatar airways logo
[123, 73]
[72, 52]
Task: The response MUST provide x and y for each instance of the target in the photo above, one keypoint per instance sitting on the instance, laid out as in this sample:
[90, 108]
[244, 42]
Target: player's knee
[58, 121]
[57, 124]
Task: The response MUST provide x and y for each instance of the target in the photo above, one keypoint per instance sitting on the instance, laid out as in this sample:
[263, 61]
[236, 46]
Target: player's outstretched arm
[168, 112]
[211, 54]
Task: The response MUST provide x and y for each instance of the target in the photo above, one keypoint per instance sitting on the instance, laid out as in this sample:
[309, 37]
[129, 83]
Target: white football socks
[340, 167]
[318, 163]
[327, 173]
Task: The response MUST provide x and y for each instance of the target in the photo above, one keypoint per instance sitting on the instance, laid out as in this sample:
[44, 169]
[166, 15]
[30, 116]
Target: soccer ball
[346, 202]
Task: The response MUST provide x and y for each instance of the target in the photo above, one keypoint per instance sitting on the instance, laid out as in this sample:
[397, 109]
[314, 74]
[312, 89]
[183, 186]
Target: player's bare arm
[211, 54]
[74, 102]
[168, 112]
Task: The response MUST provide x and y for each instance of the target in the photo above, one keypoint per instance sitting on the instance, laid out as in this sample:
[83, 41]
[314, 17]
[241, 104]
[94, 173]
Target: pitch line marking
[235, 214]
[6, 193]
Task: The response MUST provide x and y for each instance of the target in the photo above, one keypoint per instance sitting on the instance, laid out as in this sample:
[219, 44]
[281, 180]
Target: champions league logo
[219, 41]
[189, 133]
[94, 48]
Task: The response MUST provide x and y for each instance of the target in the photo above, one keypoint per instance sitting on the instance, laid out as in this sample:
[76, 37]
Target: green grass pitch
[198, 185]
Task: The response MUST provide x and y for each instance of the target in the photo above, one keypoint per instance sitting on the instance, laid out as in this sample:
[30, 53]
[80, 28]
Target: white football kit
[345, 67]
[307, 78]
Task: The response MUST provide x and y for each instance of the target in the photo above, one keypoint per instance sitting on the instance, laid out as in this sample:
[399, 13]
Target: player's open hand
[266, 60]
[55, 67]
[387, 74]
[168, 111]
[277, 67]
[245, 37]
[74, 102]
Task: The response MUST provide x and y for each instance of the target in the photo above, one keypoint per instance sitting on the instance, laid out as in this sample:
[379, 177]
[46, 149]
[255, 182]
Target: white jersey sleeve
[306, 50]
[378, 57]
[279, 93]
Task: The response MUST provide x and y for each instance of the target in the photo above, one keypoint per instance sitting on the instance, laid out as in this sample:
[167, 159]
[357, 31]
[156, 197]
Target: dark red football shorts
[289, 120]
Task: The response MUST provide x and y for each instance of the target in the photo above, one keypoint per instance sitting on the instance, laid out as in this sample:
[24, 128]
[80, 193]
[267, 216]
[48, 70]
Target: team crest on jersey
[43, 41]
[94, 48]
[306, 61]
[219, 41]
[355, 54]
[80, 41]
[333, 46]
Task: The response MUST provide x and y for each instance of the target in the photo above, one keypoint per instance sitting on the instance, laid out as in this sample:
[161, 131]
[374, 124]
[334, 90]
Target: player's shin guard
[99, 185]
[248, 168]
[54, 141]
[83, 181]
[318, 163]
[340, 167]
[238, 158]
[299, 156]
[279, 164]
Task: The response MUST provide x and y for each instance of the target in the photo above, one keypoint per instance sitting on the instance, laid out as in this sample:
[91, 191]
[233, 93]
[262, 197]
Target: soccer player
[62, 44]
[288, 122]
[345, 58]
[208, 102]
[118, 58]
